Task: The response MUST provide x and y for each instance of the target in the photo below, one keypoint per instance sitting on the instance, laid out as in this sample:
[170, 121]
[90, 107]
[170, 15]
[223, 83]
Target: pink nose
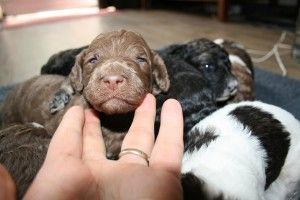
[113, 82]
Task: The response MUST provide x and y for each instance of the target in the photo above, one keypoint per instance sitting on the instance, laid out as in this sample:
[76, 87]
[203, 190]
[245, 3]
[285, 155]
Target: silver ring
[136, 152]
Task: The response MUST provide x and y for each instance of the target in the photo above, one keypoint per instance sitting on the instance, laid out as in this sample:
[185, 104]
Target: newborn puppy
[211, 61]
[191, 88]
[242, 69]
[112, 75]
[23, 148]
[247, 150]
[28, 102]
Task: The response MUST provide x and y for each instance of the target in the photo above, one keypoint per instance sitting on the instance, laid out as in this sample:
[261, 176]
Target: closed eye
[93, 60]
[141, 60]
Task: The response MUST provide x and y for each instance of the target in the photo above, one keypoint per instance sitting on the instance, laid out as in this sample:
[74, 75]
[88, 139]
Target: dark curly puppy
[191, 89]
[211, 61]
[23, 148]
[242, 69]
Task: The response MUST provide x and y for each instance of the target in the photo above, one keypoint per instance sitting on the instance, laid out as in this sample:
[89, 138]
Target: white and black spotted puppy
[247, 151]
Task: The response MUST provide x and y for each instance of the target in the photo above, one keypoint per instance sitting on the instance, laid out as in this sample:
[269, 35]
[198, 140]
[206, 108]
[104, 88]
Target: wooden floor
[24, 50]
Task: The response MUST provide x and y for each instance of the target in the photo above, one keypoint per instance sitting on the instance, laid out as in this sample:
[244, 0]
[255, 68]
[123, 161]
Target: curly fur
[211, 61]
[62, 62]
[190, 88]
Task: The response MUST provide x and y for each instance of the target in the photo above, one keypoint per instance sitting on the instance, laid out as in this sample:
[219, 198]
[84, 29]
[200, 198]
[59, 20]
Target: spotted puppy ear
[75, 76]
[160, 77]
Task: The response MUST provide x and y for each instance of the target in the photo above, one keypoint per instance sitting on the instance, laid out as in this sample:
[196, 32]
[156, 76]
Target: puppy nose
[113, 81]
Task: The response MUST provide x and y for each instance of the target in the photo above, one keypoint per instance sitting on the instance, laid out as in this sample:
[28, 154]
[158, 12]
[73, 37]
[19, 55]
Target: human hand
[76, 166]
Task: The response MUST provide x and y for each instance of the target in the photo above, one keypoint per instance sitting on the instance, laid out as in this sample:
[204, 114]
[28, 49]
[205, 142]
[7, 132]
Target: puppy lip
[233, 92]
[222, 98]
[226, 95]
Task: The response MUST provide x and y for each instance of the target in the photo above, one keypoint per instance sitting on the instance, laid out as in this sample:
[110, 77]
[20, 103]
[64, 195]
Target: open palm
[76, 166]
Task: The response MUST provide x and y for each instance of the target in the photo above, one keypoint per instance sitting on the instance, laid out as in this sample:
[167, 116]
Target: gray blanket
[278, 90]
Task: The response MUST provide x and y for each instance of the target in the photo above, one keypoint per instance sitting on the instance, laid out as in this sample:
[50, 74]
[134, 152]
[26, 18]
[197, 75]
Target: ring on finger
[136, 152]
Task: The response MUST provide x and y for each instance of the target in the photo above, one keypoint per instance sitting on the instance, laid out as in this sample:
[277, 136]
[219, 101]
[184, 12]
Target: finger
[141, 133]
[67, 139]
[7, 186]
[93, 143]
[168, 149]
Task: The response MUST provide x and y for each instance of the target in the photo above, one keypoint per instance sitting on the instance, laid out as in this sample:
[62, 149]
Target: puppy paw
[61, 98]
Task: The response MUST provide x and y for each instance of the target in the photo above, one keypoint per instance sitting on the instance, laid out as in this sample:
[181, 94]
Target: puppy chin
[116, 106]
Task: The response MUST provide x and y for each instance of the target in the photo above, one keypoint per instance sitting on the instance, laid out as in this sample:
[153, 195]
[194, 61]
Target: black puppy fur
[211, 61]
[190, 88]
[61, 62]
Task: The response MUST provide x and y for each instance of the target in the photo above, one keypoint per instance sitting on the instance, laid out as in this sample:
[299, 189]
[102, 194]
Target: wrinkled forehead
[119, 42]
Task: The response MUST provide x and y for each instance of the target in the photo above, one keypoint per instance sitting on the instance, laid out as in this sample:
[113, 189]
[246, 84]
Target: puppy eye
[93, 60]
[208, 67]
[141, 60]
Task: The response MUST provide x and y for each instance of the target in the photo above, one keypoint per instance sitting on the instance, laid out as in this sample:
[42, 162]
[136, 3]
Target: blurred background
[31, 31]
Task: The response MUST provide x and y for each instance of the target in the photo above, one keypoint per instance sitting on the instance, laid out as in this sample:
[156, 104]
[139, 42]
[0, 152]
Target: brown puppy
[242, 69]
[23, 148]
[112, 75]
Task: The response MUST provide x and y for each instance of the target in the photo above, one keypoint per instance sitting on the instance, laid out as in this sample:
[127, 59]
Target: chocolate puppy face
[116, 72]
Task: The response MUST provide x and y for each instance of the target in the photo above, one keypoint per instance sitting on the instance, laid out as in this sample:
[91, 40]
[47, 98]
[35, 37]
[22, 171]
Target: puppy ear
[160, 77]
[75, 76]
